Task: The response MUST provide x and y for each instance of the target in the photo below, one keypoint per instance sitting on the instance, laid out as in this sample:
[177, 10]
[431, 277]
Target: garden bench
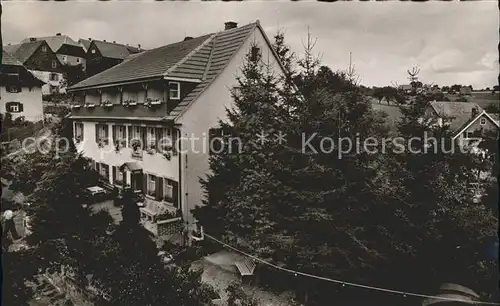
[246, 267]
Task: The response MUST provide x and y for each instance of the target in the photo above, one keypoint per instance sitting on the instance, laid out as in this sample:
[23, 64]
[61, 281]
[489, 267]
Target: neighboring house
[467, 120]
[85, 43]
[20, 90]
[68, 51]
[38, 57]
[176, 93]
[407, 88]
[102, 55]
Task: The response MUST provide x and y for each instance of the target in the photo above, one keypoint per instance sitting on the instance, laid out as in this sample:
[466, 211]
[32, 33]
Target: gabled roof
[148, 64]
[85, 43]
[114, 50]
[199, 59]
[71, 50]
[460, 113]
[8, 59]
[23, 51]
[55, 42]
[467, 124]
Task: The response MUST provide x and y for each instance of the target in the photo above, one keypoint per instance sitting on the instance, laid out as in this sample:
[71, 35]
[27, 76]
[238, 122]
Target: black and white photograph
[249, 153]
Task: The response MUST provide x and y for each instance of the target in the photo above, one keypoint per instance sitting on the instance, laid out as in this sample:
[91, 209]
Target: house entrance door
[136, 179]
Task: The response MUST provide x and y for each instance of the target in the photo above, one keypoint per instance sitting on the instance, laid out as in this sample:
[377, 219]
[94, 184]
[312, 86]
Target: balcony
[137, 154]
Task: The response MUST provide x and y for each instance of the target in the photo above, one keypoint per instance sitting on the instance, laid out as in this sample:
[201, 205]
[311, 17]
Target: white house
[127, 117]
[20, 91]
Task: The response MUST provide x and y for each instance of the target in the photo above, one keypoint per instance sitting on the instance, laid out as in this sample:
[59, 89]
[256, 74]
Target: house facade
[102, 55]
[20, 90]
[146, 122]
[467, 121]
[38, 57]
[68, 51]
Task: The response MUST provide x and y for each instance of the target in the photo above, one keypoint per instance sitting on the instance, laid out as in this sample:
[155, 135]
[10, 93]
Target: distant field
[392, 111]
[483, 99]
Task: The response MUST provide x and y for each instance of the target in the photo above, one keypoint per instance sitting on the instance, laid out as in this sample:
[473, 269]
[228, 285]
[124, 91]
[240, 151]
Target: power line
[344, 283]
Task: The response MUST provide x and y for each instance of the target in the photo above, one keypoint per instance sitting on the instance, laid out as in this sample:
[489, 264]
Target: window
[102, 134]
[135, 136]
[483, 121]
[44, 49]
[65, 58]
[54, 89]
[117, 176]
[54, 64]
[151, 138]
[104, 170]
[54, 77]
[168, 190]
[78, 131]
[151, 185]
[93, 51]
[77, 59]
[14, 88]
[174, 90]
[119, 134]
[14, 107]
[469, 135]
[254, 54]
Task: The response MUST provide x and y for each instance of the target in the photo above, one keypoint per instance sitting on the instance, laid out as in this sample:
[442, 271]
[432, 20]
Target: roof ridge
[190, 54]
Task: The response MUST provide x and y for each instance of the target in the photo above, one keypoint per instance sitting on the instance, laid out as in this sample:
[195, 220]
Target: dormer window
[174, 90]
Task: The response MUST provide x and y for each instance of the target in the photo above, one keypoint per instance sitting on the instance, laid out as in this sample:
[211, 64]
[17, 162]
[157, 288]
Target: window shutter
[159, 188]
[97, 132]
[106, 133]
[143, 137]
[175, 193]
[145, 183]
[94, 165]
[175, 145]
[114, 174]
[129, 136]
[113, 131]
[21, 109]
[159, 136]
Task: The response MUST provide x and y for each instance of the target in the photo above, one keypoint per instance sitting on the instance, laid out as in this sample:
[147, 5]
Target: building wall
[31, 98]
[204, 114]
[43, 59]
[476, 127]
[154, 164]
[72, 60]
[45, 77]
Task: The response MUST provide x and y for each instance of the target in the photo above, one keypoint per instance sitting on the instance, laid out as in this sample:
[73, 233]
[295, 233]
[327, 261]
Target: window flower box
[167, 155]
[102, 142]
[89, 105]
[130, 103]
[76, 106]
[107, 104]
[151, 101]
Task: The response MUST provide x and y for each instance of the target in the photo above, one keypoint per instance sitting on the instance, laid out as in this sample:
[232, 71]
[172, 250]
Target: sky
[451, 42]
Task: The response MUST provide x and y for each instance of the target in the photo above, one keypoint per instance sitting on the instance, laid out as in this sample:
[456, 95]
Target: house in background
[85, 43]
[146, 123]
[467, 121]
[38, 57]
[20, 90]
[102, 55]
[68, 51]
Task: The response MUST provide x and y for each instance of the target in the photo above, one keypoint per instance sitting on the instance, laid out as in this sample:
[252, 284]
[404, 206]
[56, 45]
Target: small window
[14, 107]
[168, 190]
[54, 77]
[14, 88]
[151, 185]
[175, 90]
[255, 53]
[65, 58]
[469, 135]
[44, 49]
[483, 121]
[78, 131]
[77, 59]
[54, 64]
[93, 51]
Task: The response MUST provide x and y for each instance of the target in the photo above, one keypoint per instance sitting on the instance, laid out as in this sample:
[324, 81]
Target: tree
[455, 88]
[72, 74]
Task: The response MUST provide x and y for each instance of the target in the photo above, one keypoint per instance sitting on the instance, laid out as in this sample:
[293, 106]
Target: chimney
[114, 41]
[90, 39]
[58, 34]
[188, 38]
[32, 39]
[104, 40]
[230, 25]
[139, 45]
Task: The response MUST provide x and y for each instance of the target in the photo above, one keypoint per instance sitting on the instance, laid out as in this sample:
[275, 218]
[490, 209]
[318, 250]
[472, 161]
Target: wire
[344, 283]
